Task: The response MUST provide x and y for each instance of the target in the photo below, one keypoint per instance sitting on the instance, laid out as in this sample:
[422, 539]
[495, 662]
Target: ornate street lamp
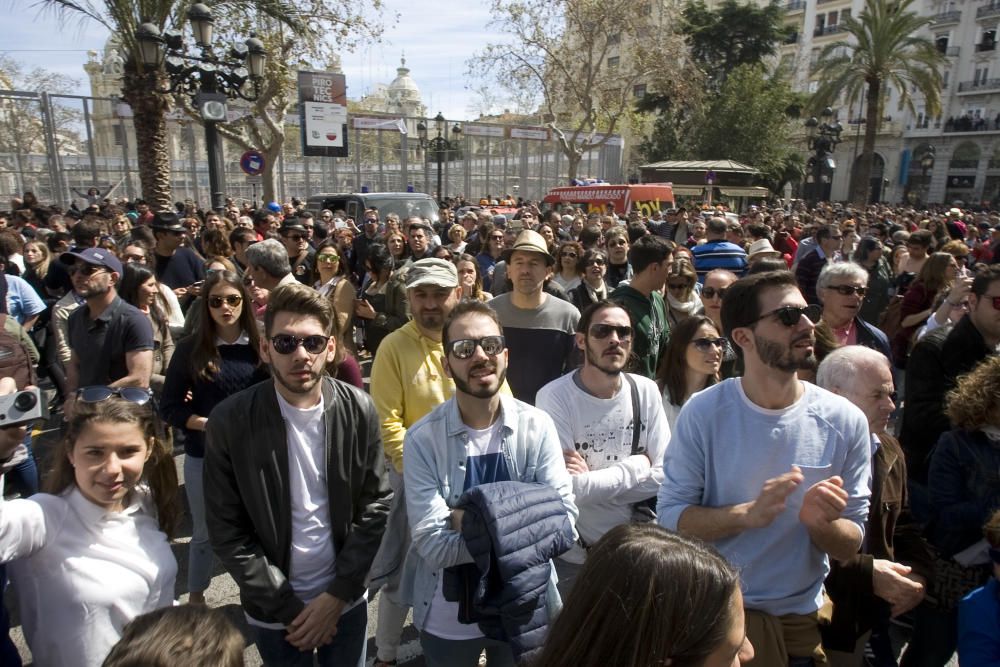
[440, 146]
[208, 79]
[926, 164]
[823, 137]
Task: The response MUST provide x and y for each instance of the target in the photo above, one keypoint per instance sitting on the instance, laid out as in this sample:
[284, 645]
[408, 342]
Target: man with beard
[295, 494]
[772, 470]
[479, 436]
[111, 341]
[611, 427]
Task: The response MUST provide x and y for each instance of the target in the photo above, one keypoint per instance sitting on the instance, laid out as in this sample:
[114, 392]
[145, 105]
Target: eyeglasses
[571, 255]
[497, 237]
[286, 343]
[98, 393]
[791, 315]
[295, 237]
[680, 287]
[712, 292]
[602, 331]
[703, 344]
[86, 269]
[326, 257]
[848, 290]
[231, 300]
[466, 347]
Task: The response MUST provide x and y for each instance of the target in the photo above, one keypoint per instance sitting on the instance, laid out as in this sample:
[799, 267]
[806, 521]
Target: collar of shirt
[244, 339]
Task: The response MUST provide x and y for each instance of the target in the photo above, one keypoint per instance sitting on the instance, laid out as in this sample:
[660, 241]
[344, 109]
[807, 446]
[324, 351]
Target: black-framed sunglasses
[848, 290]
[287, 343]
[87, 269]
[791, 315]
[712, 292]
[231, 300]
[98, 393]
[602, 331]
[680, 287]
[466, 347]
[703, 344]
[596, 262]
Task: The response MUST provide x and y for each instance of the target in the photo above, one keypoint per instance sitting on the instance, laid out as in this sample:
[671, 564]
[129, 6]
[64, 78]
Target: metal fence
[59, 146]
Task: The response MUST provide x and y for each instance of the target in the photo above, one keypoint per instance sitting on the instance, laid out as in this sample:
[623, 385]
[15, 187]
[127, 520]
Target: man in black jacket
[936, 362]
[295, 494]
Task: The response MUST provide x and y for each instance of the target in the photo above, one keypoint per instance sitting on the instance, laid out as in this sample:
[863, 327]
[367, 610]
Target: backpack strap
[636, 421]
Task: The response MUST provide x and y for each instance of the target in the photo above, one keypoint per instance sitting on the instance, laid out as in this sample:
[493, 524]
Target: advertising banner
[323, 114]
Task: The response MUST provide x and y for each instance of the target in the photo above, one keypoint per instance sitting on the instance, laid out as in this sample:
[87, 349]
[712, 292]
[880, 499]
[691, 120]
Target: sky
[438, 38]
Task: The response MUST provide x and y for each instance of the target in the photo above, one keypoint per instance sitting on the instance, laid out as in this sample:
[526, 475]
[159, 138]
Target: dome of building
[403, 87]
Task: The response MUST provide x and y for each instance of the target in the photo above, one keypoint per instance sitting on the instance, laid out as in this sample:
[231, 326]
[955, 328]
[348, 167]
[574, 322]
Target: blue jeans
[200, 557]
[346, 650]
[440, 652]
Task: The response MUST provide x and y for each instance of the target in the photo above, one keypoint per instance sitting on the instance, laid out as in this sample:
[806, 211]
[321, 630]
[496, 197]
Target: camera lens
[25, 401]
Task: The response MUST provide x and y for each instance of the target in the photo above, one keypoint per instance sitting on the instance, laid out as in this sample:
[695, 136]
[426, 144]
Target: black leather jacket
[247, 500]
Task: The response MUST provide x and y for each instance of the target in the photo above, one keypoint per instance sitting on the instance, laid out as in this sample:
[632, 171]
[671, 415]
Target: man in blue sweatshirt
[772, 470]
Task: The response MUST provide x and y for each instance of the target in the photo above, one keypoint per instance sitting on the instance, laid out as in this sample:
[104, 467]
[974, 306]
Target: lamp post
[823, 138]
[440, 146]
[926, 164]
[208, 79]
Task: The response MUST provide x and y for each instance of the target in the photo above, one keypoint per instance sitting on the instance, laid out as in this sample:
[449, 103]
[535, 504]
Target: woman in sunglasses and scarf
[690, 363]
[92, 553]
[219, 359]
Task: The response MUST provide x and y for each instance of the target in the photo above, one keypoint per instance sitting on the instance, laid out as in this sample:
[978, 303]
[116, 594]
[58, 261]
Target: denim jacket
[434, 462]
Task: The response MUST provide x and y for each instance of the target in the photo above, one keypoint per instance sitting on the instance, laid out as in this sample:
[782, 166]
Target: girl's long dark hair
[134, 277]
[205, 358]
[672, 373]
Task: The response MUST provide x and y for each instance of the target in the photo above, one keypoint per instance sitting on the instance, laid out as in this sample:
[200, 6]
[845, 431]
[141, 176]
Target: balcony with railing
[986, 46]
[971, 124]
[795, 5]
[988, 11]
[963, 164]
[979, 86]
[953, 51]
[826, 31]
[944, 18]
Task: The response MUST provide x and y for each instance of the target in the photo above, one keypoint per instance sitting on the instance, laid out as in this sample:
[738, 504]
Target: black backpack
[15, 360]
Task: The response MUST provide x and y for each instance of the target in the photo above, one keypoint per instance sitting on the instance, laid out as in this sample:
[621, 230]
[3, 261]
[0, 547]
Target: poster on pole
[323, 114]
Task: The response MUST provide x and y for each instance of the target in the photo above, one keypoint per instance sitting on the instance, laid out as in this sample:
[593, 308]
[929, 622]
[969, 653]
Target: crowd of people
[692, 437]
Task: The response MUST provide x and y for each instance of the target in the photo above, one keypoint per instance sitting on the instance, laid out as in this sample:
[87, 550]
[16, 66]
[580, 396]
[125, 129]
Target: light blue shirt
[22, 299]
[722, 451]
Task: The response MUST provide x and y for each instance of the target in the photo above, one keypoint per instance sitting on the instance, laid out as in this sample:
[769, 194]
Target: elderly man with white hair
[888, 577]
[841, 289]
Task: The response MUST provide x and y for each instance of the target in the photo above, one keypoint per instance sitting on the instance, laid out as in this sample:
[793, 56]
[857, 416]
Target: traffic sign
[252, 163]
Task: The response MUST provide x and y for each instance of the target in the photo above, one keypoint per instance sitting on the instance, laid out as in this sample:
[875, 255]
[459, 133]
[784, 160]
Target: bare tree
[584, 62]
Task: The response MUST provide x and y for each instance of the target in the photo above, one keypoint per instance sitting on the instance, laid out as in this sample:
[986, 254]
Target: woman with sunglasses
[140, 288]
[567, 274]
[591, 267]
[92, 553]
[682, 299]
[469, 278]
[492, 249]
[219, 359]
[841, 289]
[716, 284]
[690, 363]
[336, 286]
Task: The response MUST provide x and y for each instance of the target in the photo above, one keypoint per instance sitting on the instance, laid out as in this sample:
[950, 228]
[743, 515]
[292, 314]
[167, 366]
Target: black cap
[167, 221]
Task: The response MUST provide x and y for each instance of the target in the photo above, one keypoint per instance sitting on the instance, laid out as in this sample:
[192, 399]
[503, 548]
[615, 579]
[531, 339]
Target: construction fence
[60, 146]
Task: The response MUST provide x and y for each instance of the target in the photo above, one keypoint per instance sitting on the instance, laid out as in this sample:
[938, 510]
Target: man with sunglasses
[176, 267]
[479, 436]
[301, 256]
[295, 492]
[612, 429]
[772, 470]
[111, 341]
[936, 362]
[240, 239]
[361, 243]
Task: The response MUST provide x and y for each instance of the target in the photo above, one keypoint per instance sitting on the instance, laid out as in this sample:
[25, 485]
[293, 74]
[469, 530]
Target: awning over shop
[748, 191]
[689, 190]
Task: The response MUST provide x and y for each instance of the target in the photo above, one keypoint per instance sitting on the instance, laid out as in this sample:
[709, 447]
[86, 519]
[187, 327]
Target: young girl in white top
[690, 363]
[93, 553]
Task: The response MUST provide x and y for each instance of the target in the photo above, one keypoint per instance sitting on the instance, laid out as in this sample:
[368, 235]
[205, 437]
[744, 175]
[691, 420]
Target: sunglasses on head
[231, 300]
[466, 347]
[791, 315]
[98, 393]
[703, 344]
[602, 331]
[848, 290]
[712, 292]
[286, 343]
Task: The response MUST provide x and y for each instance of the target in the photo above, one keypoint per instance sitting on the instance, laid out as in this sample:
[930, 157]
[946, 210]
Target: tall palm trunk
[149, 119]
[863, 177]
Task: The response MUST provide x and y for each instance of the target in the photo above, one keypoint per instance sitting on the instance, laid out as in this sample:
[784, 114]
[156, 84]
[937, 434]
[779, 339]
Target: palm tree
[883, 50]
[143, 87]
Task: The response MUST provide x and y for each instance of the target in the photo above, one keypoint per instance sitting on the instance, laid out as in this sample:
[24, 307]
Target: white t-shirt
[442, 616]
[600, 430]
